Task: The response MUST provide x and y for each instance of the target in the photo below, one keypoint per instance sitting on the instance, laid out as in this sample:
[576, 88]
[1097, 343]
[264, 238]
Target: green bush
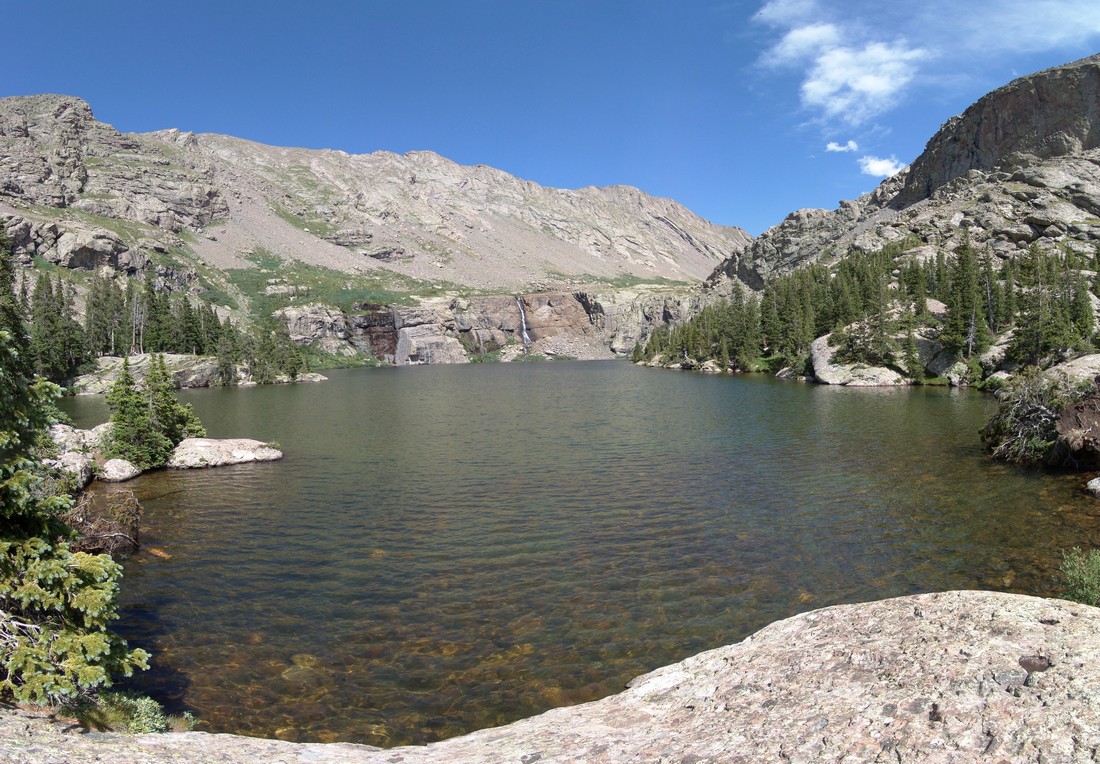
[1080, 575]
[55, 605]
[127, 711]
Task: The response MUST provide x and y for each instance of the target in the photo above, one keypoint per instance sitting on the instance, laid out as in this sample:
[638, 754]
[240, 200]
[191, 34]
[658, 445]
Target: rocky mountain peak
[1052, 113]
[1019, 167]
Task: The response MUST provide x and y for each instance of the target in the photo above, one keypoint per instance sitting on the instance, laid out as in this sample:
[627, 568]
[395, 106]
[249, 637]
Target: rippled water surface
[447, 548]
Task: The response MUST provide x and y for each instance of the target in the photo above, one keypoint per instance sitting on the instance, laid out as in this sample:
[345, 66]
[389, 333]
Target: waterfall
[523, 324]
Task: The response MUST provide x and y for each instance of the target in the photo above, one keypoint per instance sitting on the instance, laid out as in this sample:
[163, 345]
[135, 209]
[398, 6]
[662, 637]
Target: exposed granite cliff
[952, 677]
[1020, 166]
[583, 325]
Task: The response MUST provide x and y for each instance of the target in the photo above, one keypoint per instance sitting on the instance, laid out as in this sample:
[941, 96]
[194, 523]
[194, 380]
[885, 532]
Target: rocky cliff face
[81, 194]
[584, 325]
[1020, 166]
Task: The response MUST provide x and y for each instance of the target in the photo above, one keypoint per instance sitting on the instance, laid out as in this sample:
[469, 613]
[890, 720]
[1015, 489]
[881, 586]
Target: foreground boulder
[951, 677]
[193, 453]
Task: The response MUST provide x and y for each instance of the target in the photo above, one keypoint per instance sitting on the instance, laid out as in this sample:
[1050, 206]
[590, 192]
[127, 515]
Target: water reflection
[451, 548]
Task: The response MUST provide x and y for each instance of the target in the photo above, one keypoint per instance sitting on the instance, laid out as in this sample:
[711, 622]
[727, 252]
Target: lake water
[448, 548]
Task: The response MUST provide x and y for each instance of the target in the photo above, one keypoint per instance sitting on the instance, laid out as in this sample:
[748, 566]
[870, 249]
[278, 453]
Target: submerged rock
[1093, 487]
[947, 677]
[210, 452]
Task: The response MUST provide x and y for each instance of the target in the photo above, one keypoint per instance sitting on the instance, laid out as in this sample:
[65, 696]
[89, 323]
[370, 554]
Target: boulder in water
[118, 470]
[194, 453]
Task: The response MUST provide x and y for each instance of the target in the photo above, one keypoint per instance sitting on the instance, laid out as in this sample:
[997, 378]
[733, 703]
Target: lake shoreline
[945, 677]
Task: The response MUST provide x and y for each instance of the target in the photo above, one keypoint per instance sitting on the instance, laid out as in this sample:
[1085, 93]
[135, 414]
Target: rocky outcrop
[584, 325]
[195, 453]
[1051, 114]
[54, 153]
[77, 451]
[951, 677]
[829, 372]
[427, 335]
[322, 326]
[1082, 369]
[185, 370]
[1019, 167]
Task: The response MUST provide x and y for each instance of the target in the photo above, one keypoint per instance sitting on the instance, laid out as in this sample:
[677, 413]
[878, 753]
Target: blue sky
[742, 111]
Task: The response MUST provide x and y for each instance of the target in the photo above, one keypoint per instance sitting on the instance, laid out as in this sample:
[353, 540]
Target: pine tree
[55, 604]
[167, 415]
[132, 436]
[965, 331]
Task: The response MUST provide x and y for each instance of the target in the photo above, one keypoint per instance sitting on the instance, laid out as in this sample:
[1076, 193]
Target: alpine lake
[446, 548]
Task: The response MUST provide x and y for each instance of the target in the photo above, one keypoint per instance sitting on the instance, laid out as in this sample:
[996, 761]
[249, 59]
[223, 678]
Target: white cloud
[803, 42]
[785, 12]
[856, 60]
[853, 84]
[848, 74]
[879, 167]
[842, 147]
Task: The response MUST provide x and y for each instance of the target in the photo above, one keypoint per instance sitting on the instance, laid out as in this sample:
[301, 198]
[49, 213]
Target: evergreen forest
[876, 305]
[121, 320]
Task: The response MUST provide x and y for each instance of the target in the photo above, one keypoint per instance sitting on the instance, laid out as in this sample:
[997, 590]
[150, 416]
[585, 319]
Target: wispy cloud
[848, 75]
[803, 42]
[880, 168]
[858, 59]
[1014, 26]
[842, 147]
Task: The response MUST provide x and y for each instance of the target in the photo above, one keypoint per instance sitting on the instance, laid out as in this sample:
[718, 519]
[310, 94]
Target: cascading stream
[523, 324]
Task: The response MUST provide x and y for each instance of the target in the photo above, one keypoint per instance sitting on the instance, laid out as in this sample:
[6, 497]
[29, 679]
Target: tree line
[138, 318]
[873, 304]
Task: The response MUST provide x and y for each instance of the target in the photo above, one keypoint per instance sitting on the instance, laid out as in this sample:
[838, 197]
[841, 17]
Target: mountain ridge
[418, 215]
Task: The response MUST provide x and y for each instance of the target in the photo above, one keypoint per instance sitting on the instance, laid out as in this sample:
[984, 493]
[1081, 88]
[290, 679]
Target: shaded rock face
[1079, 431]
[1020, 166]
[374, 330]
[948, 677]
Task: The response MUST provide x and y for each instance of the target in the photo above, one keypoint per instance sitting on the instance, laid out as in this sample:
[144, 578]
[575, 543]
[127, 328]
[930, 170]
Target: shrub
[1080, 574]
[127, 711]
[1024, 429]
